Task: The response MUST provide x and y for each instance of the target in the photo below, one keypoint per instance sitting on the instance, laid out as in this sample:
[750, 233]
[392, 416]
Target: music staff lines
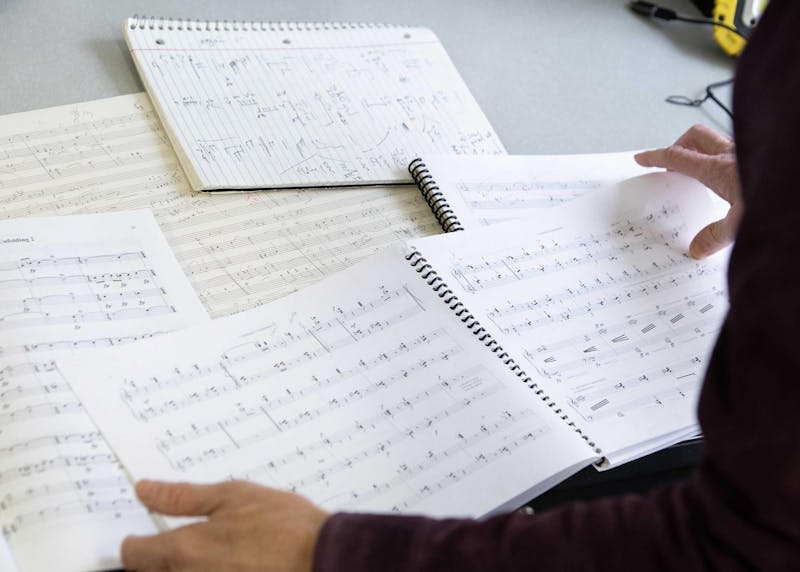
[65, 439]
[118, 507]
[283, 255]
[40, 410]
[87, 463]
[109, 277]
[366, 317]
[521, 317]
[607, 398]
[492, 272]
[36, 319]
[149, 407]
[33, 265]
[80, 168]
[77, 344]
[645, 333]
[233, 432]
[478, 462]
[73, 298]
[431, 455]
[95, 486]
[73, 151]
[79, 127]
[406, 471]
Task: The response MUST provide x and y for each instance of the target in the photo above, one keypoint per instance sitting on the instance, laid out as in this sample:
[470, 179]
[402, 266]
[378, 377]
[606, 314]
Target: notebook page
[482, 191]
[252, 105]
[364, 392]
[607, 313]
[69, 285]
[237, 249]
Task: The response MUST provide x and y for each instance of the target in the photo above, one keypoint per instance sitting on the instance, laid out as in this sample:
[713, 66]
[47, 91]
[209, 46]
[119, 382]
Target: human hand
[249, 527]
[710, 158]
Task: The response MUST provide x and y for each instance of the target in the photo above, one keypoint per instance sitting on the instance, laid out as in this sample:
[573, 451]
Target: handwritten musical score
[298, 106]
[363, 392]
[614, 322]
[68, 284]
[239, 250]
[487, 190]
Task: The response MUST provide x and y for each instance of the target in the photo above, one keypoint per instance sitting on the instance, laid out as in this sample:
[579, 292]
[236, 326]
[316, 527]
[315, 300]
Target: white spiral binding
[427, 273]
[138, 22]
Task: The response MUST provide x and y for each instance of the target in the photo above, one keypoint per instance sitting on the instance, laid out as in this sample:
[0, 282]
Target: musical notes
[238, 250]
[303, 108]
[613, 322]
[68, 285]
[487, 190]
[363, 392]
[78, 290]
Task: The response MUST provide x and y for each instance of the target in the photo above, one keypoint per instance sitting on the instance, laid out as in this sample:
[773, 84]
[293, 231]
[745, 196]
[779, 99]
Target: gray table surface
[553, 76]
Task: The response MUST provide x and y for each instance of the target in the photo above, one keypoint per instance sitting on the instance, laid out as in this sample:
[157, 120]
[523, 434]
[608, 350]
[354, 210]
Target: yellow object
[740, 14]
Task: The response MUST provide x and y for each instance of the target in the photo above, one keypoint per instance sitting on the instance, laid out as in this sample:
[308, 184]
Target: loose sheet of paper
[606, 311]
[67, 285]
[363, 392]
[265, 106]
[482, 191]
[238, 249]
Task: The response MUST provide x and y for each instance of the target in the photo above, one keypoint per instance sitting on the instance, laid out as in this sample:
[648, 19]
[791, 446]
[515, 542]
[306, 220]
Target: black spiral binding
[433, 196]
[137, 22]
[427, 273]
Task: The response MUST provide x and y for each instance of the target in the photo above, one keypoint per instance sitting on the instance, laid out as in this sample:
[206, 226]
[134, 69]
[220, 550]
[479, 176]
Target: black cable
[660, 13]
[711, 23]
[683, 100]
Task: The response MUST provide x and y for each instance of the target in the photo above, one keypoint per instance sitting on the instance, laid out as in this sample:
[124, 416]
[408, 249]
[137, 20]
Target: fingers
[186, 548]
[712, 238]
[182, 499]
[144, 553]
[679, 159]
[705, 140]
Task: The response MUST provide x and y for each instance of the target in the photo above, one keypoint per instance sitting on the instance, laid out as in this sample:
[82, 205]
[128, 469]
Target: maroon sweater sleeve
[741, 508]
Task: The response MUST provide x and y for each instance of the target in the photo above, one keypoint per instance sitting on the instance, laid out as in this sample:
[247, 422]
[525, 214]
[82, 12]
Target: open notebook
[252, 105]
[404, 384]
[470, 192]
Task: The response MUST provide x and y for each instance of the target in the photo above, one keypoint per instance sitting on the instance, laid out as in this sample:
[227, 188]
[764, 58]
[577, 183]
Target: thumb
[180, 499]
[712, 238]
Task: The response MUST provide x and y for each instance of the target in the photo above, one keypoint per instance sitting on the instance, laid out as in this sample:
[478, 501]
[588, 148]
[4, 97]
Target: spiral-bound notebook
[251, 105]
[471, 192]
[407, 383]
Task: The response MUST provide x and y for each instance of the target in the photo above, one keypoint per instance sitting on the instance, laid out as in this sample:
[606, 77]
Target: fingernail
[696, 252]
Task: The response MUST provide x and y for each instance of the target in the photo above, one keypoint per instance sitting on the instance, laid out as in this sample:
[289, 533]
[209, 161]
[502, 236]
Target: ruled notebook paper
[257, 105]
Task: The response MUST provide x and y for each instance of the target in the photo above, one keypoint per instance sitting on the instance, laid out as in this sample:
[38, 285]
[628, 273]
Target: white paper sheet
[487, 190]
[67, 285]
[604, 309]
[364, 392]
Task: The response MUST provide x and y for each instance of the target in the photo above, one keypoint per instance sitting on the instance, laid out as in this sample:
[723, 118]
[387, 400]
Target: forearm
[667, 530]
